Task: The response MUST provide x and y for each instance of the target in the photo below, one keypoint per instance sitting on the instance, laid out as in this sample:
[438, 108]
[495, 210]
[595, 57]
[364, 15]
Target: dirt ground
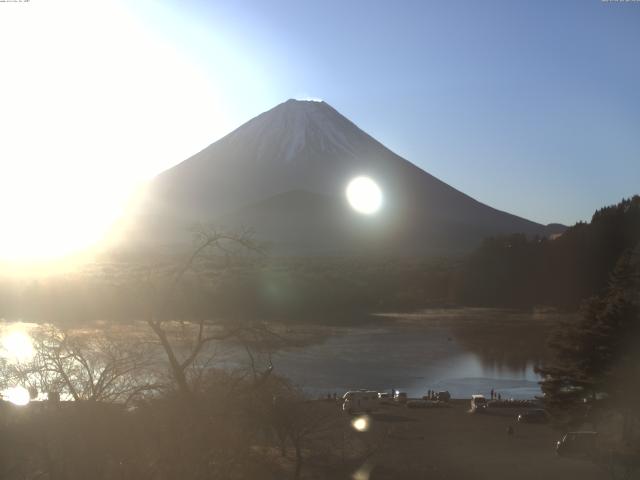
[450, 443]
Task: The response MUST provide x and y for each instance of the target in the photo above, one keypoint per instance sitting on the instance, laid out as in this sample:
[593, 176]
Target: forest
[516, 271]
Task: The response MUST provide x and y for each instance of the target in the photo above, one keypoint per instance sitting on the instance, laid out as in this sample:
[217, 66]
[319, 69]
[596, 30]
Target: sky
[532, 107]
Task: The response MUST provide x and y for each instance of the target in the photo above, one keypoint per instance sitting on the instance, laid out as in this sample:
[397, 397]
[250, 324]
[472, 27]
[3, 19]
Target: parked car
[443, 396]
[578, 444]
[478, 403]
[400, 397]
[538, 415]
[385, 398]
[360, 401]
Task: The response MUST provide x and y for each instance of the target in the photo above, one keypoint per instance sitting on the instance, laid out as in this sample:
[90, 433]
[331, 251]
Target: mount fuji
[284, 174]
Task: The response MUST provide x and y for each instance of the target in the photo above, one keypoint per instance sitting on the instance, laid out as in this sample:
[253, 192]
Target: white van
[478, 403]
[360, 401]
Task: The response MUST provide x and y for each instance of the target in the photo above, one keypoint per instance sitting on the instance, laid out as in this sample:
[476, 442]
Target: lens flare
[361, 424]
[364, 195]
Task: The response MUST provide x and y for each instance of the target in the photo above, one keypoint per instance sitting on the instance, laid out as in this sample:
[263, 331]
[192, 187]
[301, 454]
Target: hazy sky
[529, 106]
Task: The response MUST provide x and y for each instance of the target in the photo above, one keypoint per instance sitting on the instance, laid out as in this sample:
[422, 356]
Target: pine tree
[596, 357]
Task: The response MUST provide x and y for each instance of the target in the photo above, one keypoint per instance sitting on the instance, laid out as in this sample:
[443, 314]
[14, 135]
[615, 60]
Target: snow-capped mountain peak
[297, 124]
[307, 147]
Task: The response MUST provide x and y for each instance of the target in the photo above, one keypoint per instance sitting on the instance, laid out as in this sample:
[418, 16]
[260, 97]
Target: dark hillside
[518, 271]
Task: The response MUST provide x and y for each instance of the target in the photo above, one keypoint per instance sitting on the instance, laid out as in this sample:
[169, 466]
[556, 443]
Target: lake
[465, 351]
[462, 350]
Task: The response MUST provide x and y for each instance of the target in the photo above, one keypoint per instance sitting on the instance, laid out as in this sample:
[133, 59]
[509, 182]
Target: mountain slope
[277, 171]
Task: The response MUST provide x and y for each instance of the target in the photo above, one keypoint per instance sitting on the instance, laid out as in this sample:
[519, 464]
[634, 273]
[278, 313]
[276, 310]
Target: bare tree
[304, 423]
[213, 252]
[93, 365]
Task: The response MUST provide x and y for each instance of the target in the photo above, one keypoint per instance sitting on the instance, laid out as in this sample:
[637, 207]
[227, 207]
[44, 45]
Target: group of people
[433, 395]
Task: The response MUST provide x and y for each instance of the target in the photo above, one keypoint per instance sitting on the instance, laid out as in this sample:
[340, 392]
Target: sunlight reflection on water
[16, 346]
[16, 395]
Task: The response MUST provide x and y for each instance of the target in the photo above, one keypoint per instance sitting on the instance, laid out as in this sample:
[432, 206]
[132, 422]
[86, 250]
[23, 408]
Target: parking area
[451, 443]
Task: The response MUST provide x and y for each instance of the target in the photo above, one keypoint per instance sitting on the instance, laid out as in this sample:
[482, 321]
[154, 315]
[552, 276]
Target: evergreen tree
[595, 358]
[517, 271]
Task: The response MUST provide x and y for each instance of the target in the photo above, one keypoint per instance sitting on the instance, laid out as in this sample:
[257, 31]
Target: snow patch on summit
[310, 99]
[294, 126]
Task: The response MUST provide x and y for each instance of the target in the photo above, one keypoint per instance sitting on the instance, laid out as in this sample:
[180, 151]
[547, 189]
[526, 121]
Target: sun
[85, 124]
[364, 195]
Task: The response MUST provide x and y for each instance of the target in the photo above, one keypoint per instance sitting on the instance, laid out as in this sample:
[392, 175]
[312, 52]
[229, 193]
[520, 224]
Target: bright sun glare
[364, 195]
[93, 105]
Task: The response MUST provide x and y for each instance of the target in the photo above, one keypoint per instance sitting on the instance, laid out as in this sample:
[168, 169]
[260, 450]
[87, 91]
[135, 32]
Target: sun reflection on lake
[17, 345]
[16, 395]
